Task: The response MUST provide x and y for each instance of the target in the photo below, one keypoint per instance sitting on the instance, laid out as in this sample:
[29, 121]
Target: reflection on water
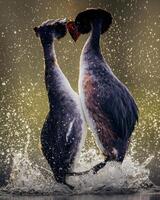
[87, 197]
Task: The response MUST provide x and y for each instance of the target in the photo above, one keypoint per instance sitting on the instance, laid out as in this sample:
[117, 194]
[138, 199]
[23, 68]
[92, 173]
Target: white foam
[27, 177]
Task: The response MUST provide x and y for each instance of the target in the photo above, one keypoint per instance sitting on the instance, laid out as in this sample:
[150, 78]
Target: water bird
[109, 107]
[63, 131]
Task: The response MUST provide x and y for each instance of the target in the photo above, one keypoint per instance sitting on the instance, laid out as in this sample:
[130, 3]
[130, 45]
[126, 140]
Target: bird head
[83, 22]
[51, 29]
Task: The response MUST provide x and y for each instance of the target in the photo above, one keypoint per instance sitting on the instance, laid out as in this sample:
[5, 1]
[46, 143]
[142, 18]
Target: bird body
[63, 132]
[107, 104]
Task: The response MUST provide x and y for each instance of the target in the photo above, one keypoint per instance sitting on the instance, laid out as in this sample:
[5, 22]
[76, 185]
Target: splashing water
[27, 177]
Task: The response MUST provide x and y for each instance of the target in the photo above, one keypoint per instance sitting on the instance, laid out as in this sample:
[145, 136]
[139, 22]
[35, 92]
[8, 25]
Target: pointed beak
[73, 30]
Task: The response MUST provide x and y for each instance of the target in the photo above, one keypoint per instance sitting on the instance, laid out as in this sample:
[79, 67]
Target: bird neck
[49, 54]
[93, 42]
[51, 65]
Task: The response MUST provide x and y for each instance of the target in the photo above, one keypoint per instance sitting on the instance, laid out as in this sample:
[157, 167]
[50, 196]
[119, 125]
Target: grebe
[109, 108]
[62, 134]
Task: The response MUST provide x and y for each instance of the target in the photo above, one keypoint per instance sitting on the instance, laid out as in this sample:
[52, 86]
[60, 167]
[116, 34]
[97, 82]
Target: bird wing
[118, 106]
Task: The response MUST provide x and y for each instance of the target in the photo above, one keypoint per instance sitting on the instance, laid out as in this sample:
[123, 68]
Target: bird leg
[94, 169]
[99, 166]
[69, 186]
[78, 173]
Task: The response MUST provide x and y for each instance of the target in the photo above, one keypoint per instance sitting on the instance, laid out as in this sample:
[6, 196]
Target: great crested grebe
[109, 108]
[63, 130]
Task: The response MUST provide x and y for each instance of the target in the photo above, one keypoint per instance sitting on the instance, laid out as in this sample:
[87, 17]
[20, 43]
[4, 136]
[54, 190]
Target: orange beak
[73, 30]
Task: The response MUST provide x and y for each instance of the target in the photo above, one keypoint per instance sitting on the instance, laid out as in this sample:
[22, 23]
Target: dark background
[131, 47]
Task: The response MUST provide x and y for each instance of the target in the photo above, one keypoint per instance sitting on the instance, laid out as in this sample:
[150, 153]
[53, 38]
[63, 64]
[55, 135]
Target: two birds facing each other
[108, 106]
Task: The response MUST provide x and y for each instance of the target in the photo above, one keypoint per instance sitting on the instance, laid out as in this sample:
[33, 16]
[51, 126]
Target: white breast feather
[90, 121]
